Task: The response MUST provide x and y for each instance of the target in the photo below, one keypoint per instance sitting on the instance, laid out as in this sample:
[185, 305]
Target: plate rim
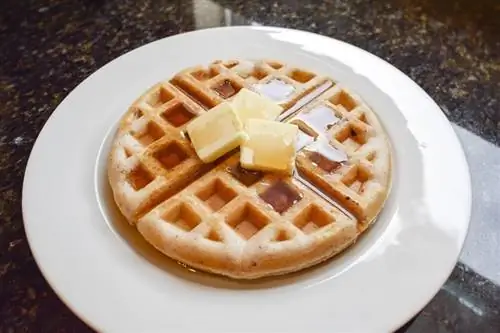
[58, 109]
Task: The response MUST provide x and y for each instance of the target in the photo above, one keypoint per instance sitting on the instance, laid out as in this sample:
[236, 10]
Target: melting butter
[270, 146]
[215, 133]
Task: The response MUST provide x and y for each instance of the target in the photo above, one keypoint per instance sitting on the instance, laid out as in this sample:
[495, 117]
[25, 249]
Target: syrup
[323, 147]
[302, 140]
[281, 196]
[244, 176]
[323, 162]
[306, 99]
[178, 115]
[277, 90]
[226, 89]
[170, 156]
[320, 119]
[321, 194]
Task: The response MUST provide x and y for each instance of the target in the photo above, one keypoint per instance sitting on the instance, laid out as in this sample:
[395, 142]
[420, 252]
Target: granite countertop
[450, 48]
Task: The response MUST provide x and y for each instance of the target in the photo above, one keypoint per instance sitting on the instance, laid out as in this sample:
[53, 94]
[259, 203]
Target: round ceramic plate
[115, 282]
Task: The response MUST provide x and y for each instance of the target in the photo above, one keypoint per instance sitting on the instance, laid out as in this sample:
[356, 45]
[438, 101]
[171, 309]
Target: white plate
[113, 281]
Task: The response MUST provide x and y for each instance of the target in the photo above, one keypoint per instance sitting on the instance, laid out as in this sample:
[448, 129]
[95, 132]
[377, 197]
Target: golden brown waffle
[150, 158]
[223, 219]
[221, 80]
[346, 124]
[247, 224]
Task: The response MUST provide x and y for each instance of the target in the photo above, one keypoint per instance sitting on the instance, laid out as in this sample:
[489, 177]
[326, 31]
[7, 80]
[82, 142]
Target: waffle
[288, 86]
[223, 219]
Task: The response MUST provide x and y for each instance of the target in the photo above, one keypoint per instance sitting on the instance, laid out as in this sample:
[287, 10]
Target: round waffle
[223, 219]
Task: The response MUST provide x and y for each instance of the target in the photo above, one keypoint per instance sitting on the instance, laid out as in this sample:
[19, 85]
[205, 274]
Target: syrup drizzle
[244, 176]
[328, 157]
[321, 194]
[275, 89]
[324, 148]
[226, 89]
[303, 140]
[306, 99]
[281, 196]
[320, 119]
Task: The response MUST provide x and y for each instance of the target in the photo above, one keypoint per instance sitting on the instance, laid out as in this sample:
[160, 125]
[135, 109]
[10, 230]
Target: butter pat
[250, 105]
[216, 132]
[270, 146]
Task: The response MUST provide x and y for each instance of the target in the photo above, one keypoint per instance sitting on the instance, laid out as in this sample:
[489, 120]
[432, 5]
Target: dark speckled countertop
[450, 48]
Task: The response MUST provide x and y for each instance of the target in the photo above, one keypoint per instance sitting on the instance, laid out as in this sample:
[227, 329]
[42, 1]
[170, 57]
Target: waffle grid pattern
[226, 220]
[358, 184]
[220, 81]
